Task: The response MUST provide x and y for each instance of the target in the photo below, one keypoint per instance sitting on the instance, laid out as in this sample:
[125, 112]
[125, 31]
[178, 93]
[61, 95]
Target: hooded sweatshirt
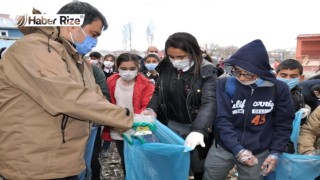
[307, 91]
[257, 117]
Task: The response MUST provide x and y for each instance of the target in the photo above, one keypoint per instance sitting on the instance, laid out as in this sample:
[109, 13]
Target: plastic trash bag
[167, 160]
[296, 166]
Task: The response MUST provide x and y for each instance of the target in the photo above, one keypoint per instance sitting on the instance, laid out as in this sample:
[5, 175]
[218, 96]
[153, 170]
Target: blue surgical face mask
[291, 82]
[86, 45]
[151, 66]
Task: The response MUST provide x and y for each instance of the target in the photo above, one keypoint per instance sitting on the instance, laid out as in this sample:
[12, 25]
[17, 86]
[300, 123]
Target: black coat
[200, 98]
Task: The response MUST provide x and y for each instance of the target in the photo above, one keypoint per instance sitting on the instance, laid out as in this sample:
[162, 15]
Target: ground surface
[112, 170]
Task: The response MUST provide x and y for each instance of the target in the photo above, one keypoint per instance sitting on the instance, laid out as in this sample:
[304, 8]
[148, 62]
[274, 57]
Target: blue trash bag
[296, 166]
[296, 130]
[167, 160]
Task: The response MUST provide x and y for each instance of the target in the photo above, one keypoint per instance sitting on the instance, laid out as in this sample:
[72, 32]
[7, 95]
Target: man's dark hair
[290, 64]
[154, 56]
[91, 13]
[95, 54]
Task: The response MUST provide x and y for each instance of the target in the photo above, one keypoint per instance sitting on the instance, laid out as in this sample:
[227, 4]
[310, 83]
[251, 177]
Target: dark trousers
[120, 148]
[95, 164]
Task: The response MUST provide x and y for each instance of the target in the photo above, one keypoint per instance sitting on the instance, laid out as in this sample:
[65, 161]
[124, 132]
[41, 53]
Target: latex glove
[315, 152]
[143, 120]
[305, 112]
[246, 157]
[269, 164]
[128, 135]
[194, 139]
[149, 112]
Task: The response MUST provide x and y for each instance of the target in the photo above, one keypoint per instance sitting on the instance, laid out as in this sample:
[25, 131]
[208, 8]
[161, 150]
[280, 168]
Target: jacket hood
[253, 57]
[51, 31]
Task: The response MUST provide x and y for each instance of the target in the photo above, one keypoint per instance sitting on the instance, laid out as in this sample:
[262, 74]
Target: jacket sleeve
[207, 111]
[155, 99]
[100, 79]
[282, 123]
[44, 76]
[309, 132]
[147, 95]
[224, 120]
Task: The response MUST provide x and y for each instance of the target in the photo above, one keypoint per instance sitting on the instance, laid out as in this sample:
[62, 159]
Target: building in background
[308, 52]
[9, 31]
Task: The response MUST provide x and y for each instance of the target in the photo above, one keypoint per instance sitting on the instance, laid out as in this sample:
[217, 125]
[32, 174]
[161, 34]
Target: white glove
[149, 112]
[305, 112]
[194, 139]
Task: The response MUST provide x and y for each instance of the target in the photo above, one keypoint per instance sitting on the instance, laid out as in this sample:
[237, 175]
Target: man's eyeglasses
[238, 73]
[153, 51]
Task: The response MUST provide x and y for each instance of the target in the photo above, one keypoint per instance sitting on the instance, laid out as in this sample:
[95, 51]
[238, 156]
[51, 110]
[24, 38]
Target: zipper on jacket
[189, 91]
[180, 114]
[246, 116]
[64, 122]
[188, 95]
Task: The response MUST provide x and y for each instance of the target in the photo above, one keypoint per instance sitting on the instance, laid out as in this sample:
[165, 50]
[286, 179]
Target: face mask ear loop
[85, 35]
[71, 37]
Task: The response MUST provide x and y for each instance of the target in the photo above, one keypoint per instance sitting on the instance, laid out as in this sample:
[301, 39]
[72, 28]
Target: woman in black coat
[184, 98]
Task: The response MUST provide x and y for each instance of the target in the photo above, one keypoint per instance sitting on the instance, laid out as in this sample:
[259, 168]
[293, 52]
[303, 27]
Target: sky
[223, 22]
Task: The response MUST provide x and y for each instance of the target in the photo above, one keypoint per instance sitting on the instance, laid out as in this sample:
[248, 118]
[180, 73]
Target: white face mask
[95, 62]
[183, 65]
[128, 75]
[108, 64]
[246, 83]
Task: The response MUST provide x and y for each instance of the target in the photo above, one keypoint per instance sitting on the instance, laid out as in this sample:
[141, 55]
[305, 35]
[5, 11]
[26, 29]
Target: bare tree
[150, 33]
[127, 36]
[227, 51]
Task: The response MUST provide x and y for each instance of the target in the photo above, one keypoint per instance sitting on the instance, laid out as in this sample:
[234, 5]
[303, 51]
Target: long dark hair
[187, 43]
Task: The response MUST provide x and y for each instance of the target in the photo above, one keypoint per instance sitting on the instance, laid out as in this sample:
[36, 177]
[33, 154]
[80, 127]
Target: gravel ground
[111, 166]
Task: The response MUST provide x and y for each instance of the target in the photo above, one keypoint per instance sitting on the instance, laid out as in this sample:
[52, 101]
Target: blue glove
[128, 135]
[143, 120]
[139, 121]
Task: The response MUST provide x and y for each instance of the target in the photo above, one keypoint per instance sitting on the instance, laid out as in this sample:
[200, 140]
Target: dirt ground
[111, 166]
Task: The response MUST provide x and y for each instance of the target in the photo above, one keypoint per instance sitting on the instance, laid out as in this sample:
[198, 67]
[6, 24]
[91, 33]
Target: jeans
[219, 162]
[95, 163]
[86, 174]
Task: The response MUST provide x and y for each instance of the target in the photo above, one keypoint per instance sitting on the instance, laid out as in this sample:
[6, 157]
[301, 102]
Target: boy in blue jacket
[254, 122]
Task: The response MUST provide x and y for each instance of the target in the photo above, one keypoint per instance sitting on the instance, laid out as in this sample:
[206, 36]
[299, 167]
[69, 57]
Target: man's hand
[194, 139]
[269, 164]
[246, 157]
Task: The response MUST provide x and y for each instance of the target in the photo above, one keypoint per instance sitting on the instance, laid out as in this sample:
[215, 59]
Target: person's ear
[70, 28]
[301, 78]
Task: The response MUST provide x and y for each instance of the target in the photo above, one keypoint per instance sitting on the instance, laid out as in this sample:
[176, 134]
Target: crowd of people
[59, 112]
